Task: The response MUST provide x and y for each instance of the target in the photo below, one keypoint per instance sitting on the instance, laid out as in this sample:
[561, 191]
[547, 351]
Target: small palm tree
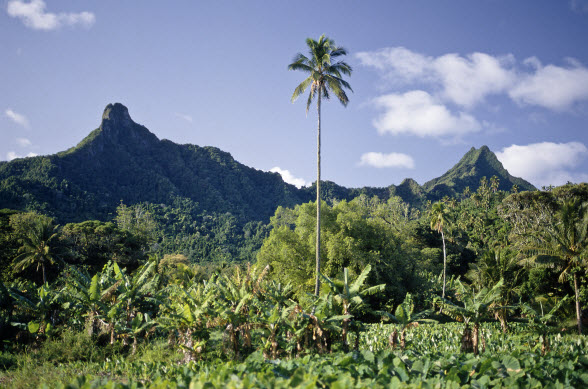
[325, 76]
[564, 246]
[491, 267]
[440, 217]
[37, 244]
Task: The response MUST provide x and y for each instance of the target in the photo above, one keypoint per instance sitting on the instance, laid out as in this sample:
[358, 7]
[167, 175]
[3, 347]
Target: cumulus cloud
[34, 15]
[13, 155]
[381, 160]
[545, 163]
[23, 142]
[185, 117]
[465, 81]
[18, 118]
[468, 80]
[289, 177]
[418, 113]
[553, 87]
[398, 63]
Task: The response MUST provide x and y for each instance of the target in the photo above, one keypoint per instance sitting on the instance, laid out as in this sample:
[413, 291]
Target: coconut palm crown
[324, 76]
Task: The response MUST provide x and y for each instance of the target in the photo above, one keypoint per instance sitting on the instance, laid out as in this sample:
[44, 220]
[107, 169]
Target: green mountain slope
[123, 161]
[474, 165]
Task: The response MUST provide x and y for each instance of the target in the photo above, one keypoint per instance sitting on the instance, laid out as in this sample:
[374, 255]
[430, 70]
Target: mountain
[204, 204]
[123, 161]
[474, 165]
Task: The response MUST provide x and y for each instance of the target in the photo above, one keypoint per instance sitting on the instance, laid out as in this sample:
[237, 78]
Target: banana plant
[323, 323]
[276, 314]
[474, 307]
[233, 309]
[136, 294]
[405, 316]
[277, 322]
[42, 309]
[95, 297]
[538, 321]
[187, 313]
[140, 324]
[350, 296]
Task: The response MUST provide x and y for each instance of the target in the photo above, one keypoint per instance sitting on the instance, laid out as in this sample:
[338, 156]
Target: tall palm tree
[325, 76]
[440, 217]
[36, 245]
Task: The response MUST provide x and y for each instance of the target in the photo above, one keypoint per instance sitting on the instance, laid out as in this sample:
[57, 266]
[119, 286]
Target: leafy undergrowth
[431, 359]
[352, 370]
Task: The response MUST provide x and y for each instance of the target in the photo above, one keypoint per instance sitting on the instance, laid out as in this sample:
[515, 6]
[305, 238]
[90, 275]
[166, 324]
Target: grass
[72, 355]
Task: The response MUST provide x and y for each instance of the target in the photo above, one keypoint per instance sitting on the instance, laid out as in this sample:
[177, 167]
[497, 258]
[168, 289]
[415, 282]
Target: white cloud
[381, 160]
[418, 113]
[23, 142]
[17, 118]
[13, 155]
[289, 177]
[468, 80]
[551, 86]
[34, 15]
[545, 163]
[397, 63]
[465, 81]
[185, 117]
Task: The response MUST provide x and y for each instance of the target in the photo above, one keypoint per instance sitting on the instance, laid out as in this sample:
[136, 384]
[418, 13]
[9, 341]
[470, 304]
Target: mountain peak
[474, 165]
[116, 114]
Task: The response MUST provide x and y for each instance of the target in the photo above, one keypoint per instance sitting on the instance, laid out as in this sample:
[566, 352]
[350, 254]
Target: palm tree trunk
[318, 199]
[43, 267]
[444, 263]
[578, 311]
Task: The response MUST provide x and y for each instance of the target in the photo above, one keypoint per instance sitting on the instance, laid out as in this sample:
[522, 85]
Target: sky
[430, 80]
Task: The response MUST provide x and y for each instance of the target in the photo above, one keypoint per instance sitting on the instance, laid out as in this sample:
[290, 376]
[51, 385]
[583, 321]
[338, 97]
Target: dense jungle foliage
[104, 302]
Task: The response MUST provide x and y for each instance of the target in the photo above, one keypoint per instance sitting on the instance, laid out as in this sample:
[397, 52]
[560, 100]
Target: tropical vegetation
[192, 270]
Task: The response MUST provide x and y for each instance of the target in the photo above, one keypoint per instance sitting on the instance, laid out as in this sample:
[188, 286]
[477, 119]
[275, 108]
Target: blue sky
[431, 79]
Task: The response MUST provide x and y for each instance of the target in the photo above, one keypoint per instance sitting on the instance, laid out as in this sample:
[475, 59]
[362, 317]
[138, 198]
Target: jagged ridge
[123, 161]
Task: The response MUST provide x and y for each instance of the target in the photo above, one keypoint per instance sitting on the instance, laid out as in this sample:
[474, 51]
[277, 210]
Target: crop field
[431, 359]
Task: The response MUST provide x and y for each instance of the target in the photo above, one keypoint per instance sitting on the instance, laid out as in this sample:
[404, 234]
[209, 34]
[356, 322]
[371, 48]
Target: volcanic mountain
[123, 161]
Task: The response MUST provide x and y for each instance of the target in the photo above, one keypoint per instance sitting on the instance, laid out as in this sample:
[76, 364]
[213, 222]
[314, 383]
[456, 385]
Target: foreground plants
[431, 359]
[382, 369]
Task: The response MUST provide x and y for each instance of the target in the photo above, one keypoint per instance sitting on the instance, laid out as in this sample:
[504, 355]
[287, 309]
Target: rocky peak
[117, 127]
[116, 115]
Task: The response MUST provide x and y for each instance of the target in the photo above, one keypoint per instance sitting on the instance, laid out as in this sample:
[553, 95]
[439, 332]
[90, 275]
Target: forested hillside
[204, 204]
